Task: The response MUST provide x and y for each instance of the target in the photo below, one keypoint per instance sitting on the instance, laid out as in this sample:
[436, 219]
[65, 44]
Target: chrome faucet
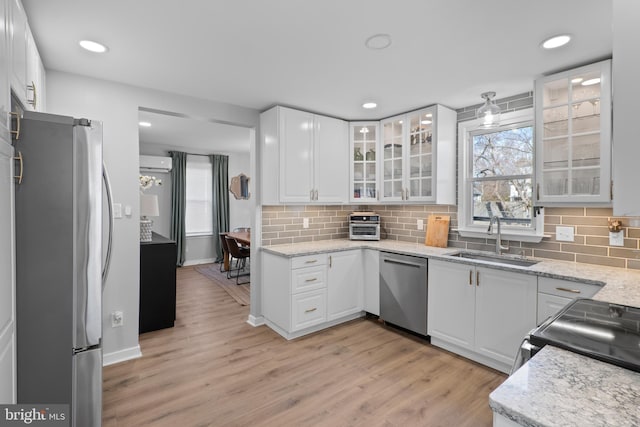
[499, 247]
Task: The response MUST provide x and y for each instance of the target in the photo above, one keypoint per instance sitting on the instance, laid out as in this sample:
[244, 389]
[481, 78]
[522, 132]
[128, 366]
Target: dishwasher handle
[408, 264]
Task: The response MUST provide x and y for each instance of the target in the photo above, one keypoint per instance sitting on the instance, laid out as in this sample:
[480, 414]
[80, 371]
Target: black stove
[598, 329]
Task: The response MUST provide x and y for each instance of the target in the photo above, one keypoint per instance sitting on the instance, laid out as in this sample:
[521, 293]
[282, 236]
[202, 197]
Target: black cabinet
[157, 284]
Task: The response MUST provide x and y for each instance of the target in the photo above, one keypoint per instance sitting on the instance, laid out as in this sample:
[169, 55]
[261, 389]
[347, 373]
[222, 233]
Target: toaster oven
[364, 226]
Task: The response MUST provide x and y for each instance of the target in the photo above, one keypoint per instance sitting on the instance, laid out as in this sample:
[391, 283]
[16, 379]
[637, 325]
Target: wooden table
[242, 237]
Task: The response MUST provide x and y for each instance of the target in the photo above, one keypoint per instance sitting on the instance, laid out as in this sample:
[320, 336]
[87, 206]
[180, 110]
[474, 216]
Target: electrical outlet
[616, 238]
[420, 224]
[305, 222]
[564, 234]
[117, 319]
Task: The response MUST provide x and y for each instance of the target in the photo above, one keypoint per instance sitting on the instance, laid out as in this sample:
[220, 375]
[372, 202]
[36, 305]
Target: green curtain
[178, 202]
[220, 187]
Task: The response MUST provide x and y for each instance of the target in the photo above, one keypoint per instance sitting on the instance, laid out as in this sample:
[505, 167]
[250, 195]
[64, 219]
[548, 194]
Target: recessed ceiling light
[591, 82]
[378, 41]
[428, 115]
[369, 105]
[425, 122]
[92, 46]
[556, 41]
[576, 80]
[144, 124]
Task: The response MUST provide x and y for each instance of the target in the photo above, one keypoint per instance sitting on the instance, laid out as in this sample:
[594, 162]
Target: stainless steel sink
[498, 259]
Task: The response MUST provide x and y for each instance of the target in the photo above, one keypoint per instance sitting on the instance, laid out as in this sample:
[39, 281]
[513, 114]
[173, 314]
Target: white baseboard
[121, 356]
[255, 321]
[199, 261]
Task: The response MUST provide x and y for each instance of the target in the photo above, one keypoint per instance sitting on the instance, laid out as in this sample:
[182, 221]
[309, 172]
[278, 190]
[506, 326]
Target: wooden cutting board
[437, 231]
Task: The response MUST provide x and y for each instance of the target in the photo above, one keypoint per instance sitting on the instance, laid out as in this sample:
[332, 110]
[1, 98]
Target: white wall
[116, 105]
[239, 211]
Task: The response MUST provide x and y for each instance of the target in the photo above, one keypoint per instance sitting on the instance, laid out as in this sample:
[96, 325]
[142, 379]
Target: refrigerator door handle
[107, 260]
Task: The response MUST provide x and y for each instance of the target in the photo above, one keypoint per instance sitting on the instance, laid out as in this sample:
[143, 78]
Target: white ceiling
[311, 55]
[196, 136]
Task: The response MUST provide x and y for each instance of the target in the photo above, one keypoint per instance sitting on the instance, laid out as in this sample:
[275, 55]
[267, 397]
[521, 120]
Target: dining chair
[241, 255]
[225, 250]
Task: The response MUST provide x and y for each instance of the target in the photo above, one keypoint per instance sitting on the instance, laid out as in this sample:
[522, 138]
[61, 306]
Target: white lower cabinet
[7, 275]
[555, 294]
[308, 309]
[304, 294]
[480, 313]
[371, 265]
[345, 293]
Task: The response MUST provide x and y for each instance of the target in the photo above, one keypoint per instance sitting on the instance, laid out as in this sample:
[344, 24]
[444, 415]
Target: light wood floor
[213, 369]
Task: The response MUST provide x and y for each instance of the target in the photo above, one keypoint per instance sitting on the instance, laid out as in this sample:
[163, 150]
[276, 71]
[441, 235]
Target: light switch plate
[564, 234]
[305, 222]
[127, 210]
[117, 210]
[420, 224]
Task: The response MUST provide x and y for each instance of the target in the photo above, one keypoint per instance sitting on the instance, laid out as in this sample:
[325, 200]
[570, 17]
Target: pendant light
[489, 112]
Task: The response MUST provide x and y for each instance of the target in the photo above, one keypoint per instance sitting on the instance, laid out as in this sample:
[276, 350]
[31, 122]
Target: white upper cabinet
[27, 77]
[418, 156]
[573, 136]
[35, 76]
[331, 166]
[626, 69]
[304, 157]
[5, 98]
[18, 47]
[363, 138]
[296, 135]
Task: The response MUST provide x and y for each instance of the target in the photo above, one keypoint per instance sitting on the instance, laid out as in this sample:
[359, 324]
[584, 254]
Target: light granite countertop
[565, 389]
[619, 286]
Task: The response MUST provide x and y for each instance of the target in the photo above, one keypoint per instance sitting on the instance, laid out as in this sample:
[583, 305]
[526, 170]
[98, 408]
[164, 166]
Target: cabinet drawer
[308, 309]
[566, 288]
[549, 305]
[309, 261]
[308, 279]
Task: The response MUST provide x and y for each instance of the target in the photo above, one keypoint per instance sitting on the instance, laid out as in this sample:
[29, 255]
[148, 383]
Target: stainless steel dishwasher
[403, 291]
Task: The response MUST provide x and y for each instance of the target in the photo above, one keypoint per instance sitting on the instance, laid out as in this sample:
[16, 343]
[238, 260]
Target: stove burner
[597, 329]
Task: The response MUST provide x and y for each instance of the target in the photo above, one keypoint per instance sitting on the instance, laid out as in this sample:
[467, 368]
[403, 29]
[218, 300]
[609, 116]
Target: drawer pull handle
[18, 158]
[470, 277]
[311, 261]
[574, 291]
[311, 280]
[477, 278]
[310, 310]
[17, 131]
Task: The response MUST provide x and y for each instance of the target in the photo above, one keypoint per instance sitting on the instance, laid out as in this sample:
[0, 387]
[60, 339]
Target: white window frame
[466, 228]
[204, 160]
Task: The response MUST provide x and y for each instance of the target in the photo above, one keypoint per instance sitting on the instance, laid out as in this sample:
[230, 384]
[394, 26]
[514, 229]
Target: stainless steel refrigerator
[60, 268]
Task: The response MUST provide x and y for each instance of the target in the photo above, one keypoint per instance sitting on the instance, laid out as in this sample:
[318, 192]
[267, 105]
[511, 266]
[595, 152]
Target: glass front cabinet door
[364, 171]
[419, 156]
[573, 136]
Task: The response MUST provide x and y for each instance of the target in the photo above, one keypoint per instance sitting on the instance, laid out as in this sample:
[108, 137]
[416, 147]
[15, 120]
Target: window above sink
[496, 178]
